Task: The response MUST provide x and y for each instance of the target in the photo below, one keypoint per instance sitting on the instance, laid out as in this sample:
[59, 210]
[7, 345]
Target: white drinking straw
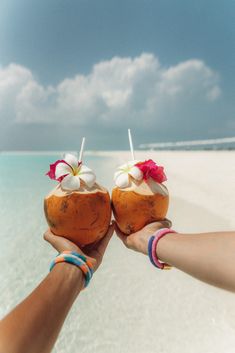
[81, 149]
[131, 145]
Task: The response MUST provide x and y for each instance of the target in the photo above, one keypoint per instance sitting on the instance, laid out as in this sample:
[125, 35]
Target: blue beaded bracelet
[81, 257]
[150, 243]
[77, 260]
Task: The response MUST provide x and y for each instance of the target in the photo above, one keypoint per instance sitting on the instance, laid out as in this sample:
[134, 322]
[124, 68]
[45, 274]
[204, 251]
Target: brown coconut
[81, 216]
[141, 203]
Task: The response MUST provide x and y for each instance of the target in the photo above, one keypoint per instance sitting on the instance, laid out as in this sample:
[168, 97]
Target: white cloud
[116, 92]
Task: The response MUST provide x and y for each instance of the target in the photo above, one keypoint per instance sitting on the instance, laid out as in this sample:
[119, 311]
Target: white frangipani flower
[121, 177]
[72, 171]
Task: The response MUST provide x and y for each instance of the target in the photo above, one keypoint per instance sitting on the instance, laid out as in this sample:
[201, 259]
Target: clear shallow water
[129, 306]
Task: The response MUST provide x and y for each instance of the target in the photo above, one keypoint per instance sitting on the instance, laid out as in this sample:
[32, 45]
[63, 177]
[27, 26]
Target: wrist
[71, 274]
[166, 246]
[76, 259]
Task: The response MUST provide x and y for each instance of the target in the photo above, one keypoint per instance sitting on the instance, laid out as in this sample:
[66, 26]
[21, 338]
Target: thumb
[166, 223]
[104, 242]
[58, 242]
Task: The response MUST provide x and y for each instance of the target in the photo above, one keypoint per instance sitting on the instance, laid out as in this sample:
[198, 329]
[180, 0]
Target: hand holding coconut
[139, 240]
[94, 252]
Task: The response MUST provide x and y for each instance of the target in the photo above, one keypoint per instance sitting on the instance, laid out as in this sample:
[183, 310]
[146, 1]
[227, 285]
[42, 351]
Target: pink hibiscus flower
[151, 170]
[52, 170]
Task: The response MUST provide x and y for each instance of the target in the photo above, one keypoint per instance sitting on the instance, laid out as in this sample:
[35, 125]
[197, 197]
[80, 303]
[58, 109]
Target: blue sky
[164, 68]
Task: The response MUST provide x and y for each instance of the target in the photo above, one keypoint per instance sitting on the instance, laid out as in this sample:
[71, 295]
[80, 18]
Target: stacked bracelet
[152, 248]
[78, 260]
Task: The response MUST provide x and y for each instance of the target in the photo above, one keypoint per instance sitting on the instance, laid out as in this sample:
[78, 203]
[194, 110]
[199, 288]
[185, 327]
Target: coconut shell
[81, 216]
[138, 205]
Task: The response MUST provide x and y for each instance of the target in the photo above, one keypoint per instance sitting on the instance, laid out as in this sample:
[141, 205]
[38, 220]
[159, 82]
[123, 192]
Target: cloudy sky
[70, 68]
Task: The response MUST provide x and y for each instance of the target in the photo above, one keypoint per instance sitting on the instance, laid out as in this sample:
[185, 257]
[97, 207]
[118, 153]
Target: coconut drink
[78, 208]
[139, 197]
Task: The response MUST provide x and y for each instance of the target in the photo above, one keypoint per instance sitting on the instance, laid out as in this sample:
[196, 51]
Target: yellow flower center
[126, 169]
[76, 171]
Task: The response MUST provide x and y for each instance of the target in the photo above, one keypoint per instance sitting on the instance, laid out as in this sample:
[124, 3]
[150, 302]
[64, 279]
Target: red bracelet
[157, 236]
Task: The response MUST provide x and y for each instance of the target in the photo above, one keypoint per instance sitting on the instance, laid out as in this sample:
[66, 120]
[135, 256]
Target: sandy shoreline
[129, 307]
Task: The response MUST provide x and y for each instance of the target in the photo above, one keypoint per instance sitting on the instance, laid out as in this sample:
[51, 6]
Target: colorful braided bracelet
[78, 260]
[152, 248]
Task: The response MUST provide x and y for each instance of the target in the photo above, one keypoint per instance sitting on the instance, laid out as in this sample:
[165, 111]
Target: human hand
[138, 241]
[94, 252]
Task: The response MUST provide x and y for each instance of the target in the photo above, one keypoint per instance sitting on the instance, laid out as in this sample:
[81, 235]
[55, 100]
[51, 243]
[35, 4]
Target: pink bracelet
[157, 236]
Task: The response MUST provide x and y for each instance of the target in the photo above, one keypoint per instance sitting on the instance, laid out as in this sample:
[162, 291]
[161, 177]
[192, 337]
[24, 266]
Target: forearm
[209, 257]
[34, 324]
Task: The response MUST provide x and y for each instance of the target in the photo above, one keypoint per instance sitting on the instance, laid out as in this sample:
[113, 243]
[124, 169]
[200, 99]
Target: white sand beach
[130, 307]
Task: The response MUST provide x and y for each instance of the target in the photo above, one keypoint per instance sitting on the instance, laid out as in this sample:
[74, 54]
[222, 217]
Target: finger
[104, 242]
[54, 241]
[166, 223]
[49, 237]
[59, 243]
[120, 234]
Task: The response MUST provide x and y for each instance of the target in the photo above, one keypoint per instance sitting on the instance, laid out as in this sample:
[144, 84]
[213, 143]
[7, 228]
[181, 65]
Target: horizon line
[216, 141]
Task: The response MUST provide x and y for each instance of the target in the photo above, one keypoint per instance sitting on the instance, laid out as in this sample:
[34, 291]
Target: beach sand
[130, 307]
